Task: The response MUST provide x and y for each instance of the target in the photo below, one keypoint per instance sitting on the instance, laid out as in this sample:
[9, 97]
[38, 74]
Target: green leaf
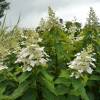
[2, 88]
[20, 90]
[30, 94]
[47, 75]
[49, 85]
[23, 77]
[79, 90]
[61, 90]
[65, 74]
[84, 94]
[63, 80]
[95, 77]
[47, 95]
[71, 97]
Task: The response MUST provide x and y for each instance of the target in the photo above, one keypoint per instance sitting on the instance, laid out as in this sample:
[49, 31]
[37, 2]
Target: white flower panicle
[72, 29]
[83, 63]
[75, 39]
[32, 55]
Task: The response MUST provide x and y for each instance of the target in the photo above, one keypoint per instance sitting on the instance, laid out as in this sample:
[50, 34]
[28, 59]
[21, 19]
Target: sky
[31, 11]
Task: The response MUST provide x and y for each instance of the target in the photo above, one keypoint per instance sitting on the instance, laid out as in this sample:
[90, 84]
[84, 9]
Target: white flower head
[31, 56]
[29, 68]
[83, 63]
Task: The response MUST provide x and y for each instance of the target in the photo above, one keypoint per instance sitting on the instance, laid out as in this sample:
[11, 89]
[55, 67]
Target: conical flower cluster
[31, 54]
[83, 63]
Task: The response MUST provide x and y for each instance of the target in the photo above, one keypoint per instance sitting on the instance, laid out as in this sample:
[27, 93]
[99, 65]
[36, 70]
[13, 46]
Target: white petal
[93, 65]
[72, 74]
[80, 71]
[29, 69]
[32, 63]
[43, 61]
[78, 54]
[89, 70]
[93, 59]
[77, 76]
[71, 66]
[31, 56]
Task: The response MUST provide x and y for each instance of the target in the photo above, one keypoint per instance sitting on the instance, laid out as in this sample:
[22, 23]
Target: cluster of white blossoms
[72, 29]
[83, 63]
[31, 54]
[2, 66]
[75, 39]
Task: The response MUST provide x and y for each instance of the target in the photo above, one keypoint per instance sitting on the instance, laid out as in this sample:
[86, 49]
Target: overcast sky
[31, 11]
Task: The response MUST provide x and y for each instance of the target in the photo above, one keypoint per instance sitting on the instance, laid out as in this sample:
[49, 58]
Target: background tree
[47, 25]
[92, 24]
[68, 24]
[73, 27]
[92, 20]
[91, 29]
[41, 28]
[3, 6]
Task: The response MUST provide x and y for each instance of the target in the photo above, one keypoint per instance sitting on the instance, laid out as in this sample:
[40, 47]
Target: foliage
[51, 64]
